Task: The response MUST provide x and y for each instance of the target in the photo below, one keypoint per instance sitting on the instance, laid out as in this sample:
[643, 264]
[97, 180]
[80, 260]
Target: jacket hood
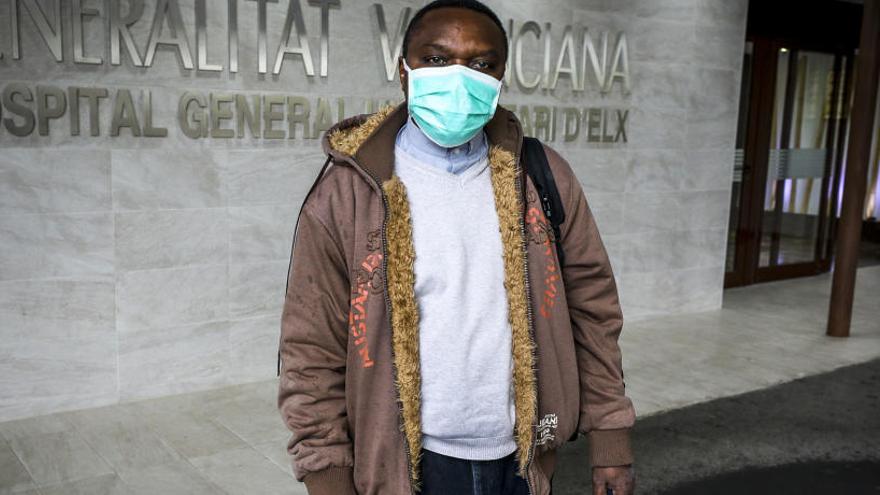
[367, 140]
[347, 135]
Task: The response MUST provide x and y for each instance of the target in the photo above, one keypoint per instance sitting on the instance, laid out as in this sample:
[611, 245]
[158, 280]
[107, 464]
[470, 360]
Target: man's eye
[481, 65]
[435, 60]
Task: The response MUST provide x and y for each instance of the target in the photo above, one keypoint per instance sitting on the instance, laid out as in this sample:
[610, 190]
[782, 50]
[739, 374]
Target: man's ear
[401, 74]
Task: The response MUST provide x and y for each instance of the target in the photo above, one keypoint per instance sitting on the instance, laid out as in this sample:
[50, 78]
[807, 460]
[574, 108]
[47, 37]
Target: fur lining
[400, 279]
[507, 205]
[348, 140]
[404, 316]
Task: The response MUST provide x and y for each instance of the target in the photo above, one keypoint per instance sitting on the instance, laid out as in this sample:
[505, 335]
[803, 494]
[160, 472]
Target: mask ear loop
[409, 84]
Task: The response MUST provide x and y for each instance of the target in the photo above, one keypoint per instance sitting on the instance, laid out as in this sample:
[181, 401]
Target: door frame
[762, 93]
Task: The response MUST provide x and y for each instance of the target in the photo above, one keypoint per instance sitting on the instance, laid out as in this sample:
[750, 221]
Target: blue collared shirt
[455, 160]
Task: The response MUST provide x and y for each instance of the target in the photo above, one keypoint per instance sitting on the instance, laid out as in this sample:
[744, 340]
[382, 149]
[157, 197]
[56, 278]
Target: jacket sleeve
[606, 413]
[314, 335]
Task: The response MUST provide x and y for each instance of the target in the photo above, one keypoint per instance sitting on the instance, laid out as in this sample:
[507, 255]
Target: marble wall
[135, 267]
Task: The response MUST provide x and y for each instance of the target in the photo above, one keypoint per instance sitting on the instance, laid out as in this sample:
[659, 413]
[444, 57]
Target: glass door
[798, 192]
[790, 149]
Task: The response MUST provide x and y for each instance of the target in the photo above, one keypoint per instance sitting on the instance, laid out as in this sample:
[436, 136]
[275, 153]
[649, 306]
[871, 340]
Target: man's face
[454, 35]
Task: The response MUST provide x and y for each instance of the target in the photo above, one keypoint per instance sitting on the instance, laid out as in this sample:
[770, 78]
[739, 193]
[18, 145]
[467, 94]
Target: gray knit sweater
[464, 335]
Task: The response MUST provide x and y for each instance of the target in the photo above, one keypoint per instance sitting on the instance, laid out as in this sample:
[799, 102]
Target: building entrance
[791, 146]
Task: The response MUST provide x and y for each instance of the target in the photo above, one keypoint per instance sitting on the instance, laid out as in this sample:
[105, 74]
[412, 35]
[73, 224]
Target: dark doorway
[791, 139]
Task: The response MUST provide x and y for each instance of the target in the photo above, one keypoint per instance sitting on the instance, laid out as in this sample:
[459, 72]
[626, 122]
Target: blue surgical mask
[451, 104]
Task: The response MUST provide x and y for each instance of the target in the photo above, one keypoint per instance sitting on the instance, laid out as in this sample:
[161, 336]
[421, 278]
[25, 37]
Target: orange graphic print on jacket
[368, 280]
[540, 233]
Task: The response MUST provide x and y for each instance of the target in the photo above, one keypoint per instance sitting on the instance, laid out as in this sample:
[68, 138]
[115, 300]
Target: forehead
[456, 26]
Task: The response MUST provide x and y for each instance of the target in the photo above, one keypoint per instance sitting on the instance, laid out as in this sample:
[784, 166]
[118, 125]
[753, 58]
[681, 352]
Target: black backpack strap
[539, 170]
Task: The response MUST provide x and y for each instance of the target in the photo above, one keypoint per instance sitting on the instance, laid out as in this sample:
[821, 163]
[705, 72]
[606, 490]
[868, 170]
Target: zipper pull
[548, 209]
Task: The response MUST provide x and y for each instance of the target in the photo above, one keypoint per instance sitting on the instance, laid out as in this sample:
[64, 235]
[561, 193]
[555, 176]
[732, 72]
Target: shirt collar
[413, 141]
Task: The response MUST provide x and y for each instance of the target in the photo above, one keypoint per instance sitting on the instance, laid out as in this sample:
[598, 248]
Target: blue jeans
[445, 475]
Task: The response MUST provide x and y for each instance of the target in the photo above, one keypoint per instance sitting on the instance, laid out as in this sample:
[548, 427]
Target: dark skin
[453, 35]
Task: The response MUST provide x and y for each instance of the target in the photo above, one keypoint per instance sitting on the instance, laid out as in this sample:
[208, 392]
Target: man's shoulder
[563, 174]
[332, 195]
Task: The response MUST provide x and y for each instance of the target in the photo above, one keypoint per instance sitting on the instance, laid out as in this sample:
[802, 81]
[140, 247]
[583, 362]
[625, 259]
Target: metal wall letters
[588, 59]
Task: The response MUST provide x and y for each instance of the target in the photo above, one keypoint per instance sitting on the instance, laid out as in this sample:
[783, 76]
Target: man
[430, 342]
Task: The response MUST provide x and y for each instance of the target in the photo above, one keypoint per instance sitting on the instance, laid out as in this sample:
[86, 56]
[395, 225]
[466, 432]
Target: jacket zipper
[524, 245]
[391, 323]
[524, 240]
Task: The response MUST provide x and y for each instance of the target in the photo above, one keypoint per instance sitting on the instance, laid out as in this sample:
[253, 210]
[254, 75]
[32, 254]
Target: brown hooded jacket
[349, 388]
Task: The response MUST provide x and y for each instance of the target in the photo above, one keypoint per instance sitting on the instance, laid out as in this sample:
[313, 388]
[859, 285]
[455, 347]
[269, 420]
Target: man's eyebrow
[446, 49]
[437, 46]
[489, 53]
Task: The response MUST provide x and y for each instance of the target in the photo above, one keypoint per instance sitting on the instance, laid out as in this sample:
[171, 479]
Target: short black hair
[473, 5]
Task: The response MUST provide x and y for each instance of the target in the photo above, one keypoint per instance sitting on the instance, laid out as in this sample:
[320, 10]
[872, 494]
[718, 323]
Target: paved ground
[231, 441]
[765, 334]
[824, 432]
